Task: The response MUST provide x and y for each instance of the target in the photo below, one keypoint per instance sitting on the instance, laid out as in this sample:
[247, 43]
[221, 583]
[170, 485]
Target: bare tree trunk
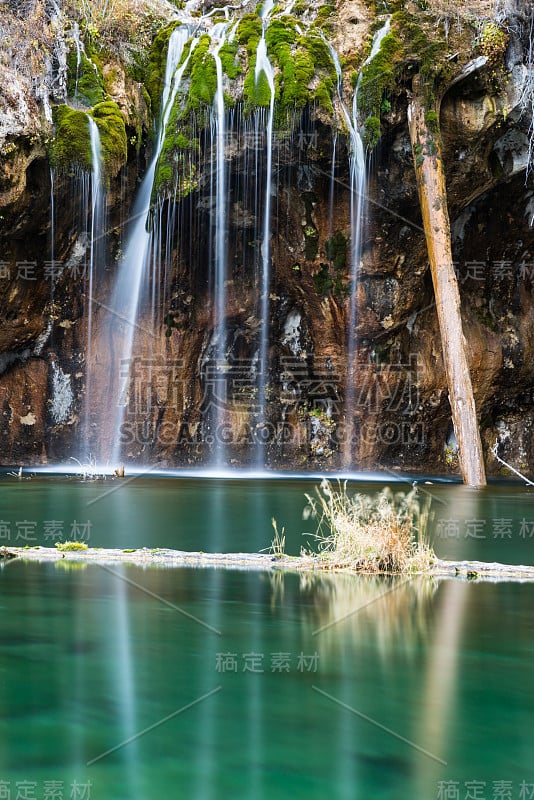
[424, 135]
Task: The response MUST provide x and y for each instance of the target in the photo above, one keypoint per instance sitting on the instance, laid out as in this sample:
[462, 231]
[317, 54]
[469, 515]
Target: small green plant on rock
[493, 41]
[70, 547]
[278, 543]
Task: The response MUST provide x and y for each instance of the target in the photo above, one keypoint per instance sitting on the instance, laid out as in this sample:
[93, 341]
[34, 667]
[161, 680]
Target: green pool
[148, 683]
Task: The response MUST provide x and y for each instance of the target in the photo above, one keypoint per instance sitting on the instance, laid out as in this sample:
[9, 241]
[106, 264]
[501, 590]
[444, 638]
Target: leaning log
[424, 135]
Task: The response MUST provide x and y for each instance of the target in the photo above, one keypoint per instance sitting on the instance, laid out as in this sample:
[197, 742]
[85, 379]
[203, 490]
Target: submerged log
[424, 135]
[107, 558]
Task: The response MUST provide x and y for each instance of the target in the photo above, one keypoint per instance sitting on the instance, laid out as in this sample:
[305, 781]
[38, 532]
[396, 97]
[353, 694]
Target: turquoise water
[235, 515]
[368, 685]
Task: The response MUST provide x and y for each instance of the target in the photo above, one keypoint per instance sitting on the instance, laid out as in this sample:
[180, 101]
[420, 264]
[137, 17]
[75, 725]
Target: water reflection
[438, 664]
[389, 611]
[122, 679]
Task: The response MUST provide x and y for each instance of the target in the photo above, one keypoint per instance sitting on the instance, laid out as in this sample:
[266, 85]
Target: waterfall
[127, 291]
[331, 193]
[78, 45]
[357, 194]
[263, 65]
[221, 207]
[358, 200]
[161, 245]
[95, 252]
[52, 227]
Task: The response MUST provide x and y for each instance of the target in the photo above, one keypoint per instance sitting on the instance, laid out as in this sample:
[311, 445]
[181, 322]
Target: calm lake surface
[250, 685]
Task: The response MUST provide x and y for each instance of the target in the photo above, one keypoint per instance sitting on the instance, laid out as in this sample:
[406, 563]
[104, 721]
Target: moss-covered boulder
[114, 142]
[72, 143]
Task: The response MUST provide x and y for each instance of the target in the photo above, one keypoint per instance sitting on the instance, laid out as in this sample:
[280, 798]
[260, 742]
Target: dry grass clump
[385, 533]
[28, 37]
[124, 27]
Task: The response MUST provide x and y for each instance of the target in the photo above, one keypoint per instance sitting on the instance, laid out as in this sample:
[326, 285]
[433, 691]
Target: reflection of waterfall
[124, 684]
[127, 291]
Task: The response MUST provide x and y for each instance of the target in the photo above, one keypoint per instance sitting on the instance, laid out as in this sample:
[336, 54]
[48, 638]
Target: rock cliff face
[177, 403]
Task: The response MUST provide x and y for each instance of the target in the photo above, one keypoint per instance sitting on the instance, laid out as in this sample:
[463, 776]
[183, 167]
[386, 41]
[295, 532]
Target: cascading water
[264, 67]
[126, 294]
[221, 205]
[52, 225]
[358, 201]
[161, 242]
[78, 46]
[357, 195]
[95, 250]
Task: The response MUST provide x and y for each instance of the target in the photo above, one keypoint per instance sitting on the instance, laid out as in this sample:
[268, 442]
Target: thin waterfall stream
[219, 304]
[358, 201]
[265, 68]
[126, 294]
[95, 241]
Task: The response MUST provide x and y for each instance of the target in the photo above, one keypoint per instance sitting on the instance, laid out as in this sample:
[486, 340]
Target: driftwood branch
[509, 466]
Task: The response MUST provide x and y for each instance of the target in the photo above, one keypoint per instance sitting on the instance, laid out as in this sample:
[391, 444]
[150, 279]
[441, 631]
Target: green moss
[227, 54]
[322, 280]
[493, 41]
[319, 52]
[249, 33]
[298, 92]
[323, 95]
[432, 121]
[296, 72]
[257, 93]
[372, 132]
[155, 73]
[113, 138]
[66, 547]
[203, 73]
[176, 167]
[311, 243]
[423, 49]
[336, 250]
[299, 8]
[89, 87]
[72, 143]
[280, 31]
[324, 16]
[379, 75]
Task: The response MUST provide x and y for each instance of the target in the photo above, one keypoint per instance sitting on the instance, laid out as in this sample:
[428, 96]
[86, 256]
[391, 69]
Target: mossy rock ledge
[71, 147]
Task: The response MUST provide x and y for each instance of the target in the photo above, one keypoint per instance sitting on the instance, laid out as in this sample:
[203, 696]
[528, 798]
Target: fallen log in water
[467, 570]
[423, 124]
